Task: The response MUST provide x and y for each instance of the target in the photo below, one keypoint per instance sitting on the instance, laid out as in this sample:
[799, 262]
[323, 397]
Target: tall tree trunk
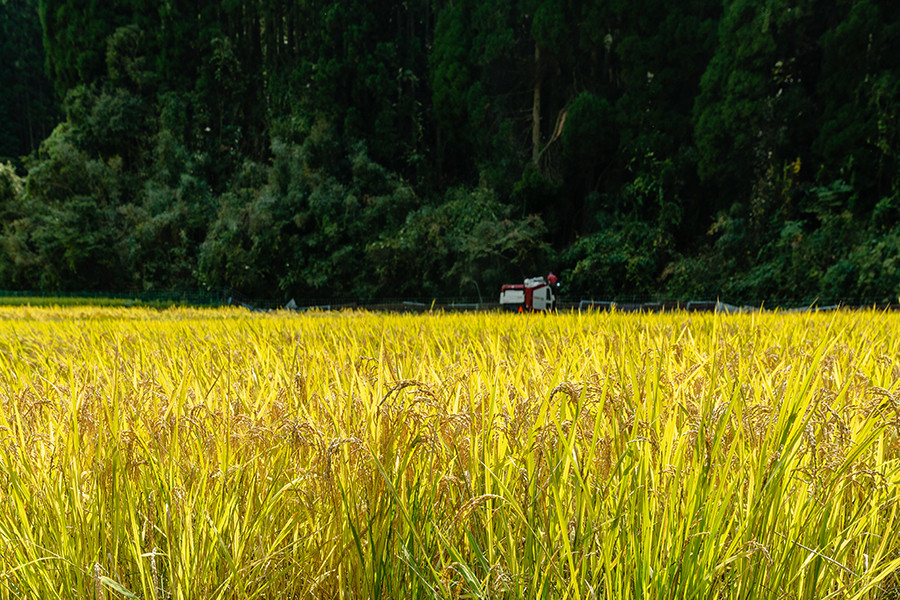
[536, 108]
[293, 44]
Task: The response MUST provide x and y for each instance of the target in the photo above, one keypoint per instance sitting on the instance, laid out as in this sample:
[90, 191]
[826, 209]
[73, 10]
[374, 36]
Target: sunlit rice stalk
[222, 454]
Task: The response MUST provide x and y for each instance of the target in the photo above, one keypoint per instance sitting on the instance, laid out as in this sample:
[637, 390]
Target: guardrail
[226, 297]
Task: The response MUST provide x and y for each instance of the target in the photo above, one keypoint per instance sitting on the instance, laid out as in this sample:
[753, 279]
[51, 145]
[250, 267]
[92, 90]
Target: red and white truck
[536, 294]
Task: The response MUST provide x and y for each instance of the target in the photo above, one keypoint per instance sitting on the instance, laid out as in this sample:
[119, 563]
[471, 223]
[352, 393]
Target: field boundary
[225, 297]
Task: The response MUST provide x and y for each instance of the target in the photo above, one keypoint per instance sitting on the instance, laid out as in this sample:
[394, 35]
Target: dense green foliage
[744, 149]
[28, 110]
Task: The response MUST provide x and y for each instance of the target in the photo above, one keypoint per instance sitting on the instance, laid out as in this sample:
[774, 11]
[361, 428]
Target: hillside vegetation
[740, 148]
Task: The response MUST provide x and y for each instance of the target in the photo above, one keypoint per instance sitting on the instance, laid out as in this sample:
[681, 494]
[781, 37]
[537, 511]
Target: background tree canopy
[739, 148]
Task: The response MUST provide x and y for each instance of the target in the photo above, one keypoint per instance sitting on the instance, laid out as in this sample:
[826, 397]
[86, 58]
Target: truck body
[533, 295]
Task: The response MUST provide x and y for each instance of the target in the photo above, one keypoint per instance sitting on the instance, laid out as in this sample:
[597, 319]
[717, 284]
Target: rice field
[195, 454]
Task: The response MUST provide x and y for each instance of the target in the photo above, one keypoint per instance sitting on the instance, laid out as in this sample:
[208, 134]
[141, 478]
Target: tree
[860, 90]
[28, 110]
[756, 110]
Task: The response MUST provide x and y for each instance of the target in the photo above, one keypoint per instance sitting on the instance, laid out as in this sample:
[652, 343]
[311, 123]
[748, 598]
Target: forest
[737, 149]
